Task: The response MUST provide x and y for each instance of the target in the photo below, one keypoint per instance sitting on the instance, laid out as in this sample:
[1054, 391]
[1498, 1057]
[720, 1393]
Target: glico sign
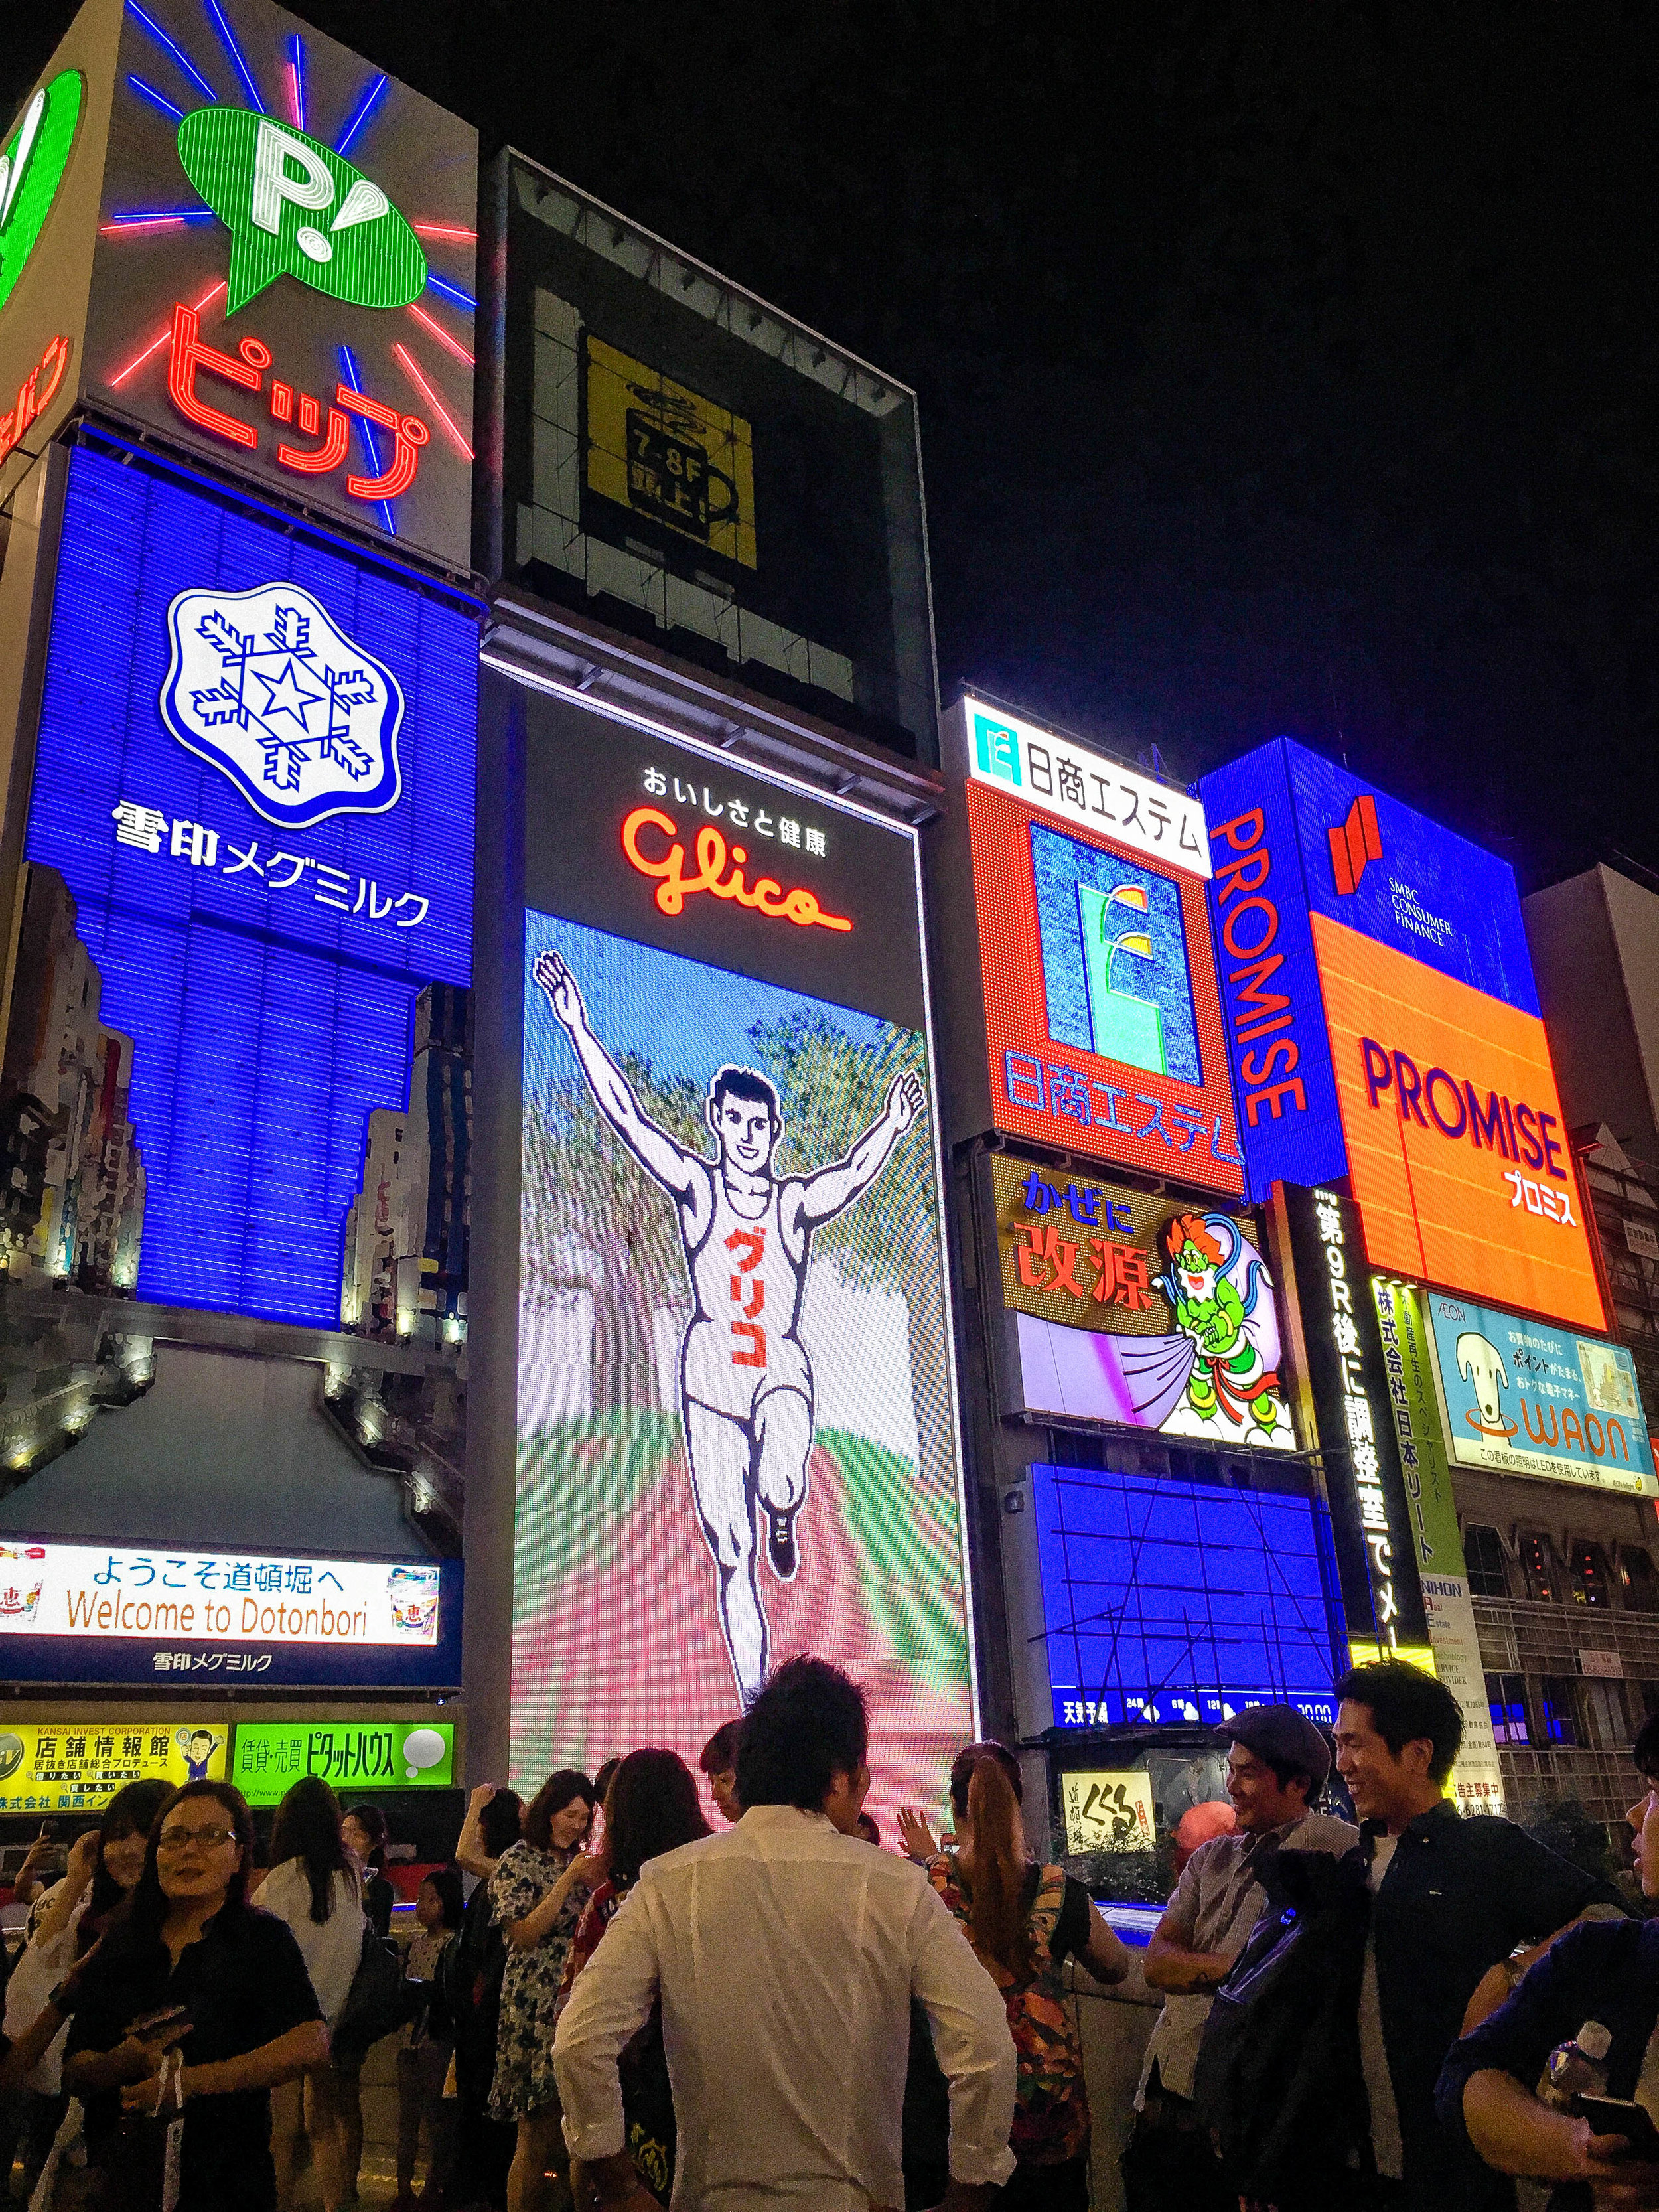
[1382, 1025]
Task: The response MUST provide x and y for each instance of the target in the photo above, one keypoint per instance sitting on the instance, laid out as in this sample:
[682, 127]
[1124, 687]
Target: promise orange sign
[1457, 1151]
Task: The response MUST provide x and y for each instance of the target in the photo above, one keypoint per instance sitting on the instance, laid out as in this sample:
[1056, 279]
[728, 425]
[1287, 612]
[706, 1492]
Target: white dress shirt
[786, 1955]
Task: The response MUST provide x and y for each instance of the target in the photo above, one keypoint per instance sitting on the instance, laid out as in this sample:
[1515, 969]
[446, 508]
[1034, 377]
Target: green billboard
[266, 1757]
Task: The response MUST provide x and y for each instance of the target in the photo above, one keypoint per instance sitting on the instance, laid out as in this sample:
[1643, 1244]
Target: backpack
[1279, 2090]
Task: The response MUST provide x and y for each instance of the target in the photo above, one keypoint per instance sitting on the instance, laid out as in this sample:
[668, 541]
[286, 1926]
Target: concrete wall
[1583, 997]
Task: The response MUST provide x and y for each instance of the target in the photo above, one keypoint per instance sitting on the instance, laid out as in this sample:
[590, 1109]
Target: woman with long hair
[64, 1923]
[195, 2007]
[314, 1889]
[652, 1806]
[1024, 1920]
[537, 1894]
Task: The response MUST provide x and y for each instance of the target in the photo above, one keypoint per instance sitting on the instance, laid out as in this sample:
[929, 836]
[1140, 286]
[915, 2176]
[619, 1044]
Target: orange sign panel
[1457, 1151]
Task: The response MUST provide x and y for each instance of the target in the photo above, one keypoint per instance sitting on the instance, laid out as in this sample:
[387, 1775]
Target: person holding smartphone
[194, 2008]
[1605, 1971]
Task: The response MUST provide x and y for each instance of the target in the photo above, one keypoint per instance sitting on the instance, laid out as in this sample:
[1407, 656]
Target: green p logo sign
[294, 209]
[31, 169]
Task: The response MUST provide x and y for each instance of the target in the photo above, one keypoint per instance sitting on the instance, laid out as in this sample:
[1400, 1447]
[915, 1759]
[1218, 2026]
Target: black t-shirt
[246, 1983]
[379, 1897]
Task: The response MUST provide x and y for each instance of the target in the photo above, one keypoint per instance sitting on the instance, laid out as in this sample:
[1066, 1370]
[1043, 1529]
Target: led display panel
[284, 278]
[77, 1767]
[1151, 1312]
[1457, 1152]
[736, 1431]
[1181, 1601]
[1524, 1398]
[1103, 1021]
[111, 1613]
[249, 847]
[269, 1757]
[690, 466]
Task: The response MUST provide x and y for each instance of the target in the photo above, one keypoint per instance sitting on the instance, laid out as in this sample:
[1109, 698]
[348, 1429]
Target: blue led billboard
[1292, 834]
[1175, 1602]
[251, 834]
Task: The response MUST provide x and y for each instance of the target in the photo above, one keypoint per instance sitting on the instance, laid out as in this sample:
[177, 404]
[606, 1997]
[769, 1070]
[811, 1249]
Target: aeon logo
[1354, 843]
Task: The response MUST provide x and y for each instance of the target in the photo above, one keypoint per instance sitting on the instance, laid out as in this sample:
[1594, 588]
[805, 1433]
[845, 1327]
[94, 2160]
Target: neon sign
[190, 355]
[260, 178]
[766, 896]
[31, 170]
[39, 389]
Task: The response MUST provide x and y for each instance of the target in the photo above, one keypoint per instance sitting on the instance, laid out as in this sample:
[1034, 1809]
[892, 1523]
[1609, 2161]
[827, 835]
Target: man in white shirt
[786, 1953]
[1278, 1760]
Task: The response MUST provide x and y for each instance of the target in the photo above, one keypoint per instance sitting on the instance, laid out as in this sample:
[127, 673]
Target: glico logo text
[674, 886]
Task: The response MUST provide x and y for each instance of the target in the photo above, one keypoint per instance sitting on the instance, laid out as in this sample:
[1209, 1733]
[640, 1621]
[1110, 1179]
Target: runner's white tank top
[742, 1340]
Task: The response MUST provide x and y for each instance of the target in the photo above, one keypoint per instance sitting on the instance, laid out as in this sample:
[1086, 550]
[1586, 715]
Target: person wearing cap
[1278, 1763]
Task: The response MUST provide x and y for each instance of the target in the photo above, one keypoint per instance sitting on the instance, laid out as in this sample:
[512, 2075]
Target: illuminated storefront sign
[1126, 1308]
[36, 392]
[77, 1767]
[1477, 1782]
[268, 1757]
[1383, 1025]
[1358, 1439]
[265, 859]
[285, 269]
[736, 1431]
[1180, 1602]
[662, 450]
[1108, 1812]
[1456, 1143]
[100, 1613]
[1102, 1017]
[1525, 1397]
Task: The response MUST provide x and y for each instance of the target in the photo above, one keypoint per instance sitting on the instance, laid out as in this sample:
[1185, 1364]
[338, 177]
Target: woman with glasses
[194, 2008]
[64, 1923]
[315, 1888]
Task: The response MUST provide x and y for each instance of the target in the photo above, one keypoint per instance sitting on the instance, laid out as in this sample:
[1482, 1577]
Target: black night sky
[1281, 368]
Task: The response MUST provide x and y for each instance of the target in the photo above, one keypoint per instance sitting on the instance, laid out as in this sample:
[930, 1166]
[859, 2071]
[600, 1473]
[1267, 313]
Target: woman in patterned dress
[1023, 1922]
[537, 1894]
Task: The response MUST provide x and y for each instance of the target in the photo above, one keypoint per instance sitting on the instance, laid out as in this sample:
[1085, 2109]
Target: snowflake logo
[266, 686]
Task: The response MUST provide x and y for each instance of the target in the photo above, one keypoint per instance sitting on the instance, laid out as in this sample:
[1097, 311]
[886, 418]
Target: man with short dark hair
[1453, 1899]
[718, 1761]
[784, 1954]
[1278, 1762]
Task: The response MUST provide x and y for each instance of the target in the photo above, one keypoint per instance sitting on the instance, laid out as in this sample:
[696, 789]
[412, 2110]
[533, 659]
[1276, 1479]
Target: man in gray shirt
[1277, 1763]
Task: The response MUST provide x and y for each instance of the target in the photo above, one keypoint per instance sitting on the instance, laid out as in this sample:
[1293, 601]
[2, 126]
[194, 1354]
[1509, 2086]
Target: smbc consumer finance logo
[294, 209]
[31, 168]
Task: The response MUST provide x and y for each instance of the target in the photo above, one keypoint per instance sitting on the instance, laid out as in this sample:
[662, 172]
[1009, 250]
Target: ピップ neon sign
[39, 388]
[674, 886]
[190, 356]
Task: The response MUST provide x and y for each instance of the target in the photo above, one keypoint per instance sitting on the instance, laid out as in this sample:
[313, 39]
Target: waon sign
[258, 245]
[1096, 989]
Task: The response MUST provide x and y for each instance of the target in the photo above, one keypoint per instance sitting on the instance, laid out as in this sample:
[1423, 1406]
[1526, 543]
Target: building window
[1606, 1715]
[1507, 1696]
[1557, 1709]
[1587, 1574]
[1540, 1567]
[1483, 1555]
[1638, 1584]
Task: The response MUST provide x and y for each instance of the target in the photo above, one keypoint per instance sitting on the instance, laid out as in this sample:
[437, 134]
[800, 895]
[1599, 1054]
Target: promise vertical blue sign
[1277, 1045]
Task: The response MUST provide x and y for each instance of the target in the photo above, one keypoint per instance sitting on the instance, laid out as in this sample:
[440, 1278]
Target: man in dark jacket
[1452, 1899]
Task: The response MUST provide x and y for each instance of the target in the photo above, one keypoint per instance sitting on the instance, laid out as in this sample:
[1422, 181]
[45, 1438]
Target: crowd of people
[1396, 2013]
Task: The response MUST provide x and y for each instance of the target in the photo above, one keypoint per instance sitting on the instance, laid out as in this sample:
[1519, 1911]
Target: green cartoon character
[1235, 1333]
